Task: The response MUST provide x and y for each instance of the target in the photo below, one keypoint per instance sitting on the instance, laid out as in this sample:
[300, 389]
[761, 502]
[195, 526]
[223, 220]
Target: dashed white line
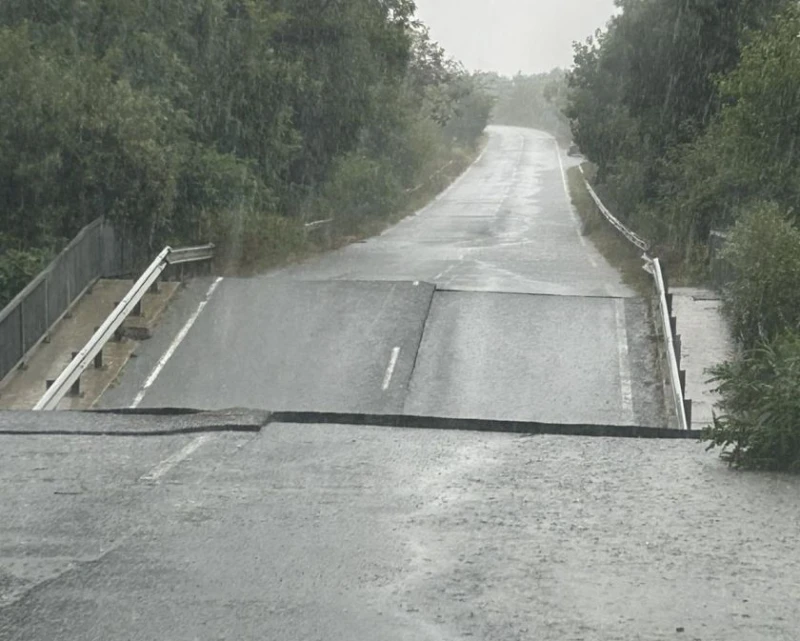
[563, 173]
[444, 272]
[173, 346]
[625, 385]
[387, 379]
[171, 461]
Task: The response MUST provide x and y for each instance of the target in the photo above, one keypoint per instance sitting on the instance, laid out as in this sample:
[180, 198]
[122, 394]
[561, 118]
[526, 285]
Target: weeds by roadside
[617, 250]
[255, 244]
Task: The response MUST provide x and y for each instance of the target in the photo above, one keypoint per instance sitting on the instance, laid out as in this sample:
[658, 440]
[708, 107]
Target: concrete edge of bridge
[142, 422]
[169, 421]
[481, 425]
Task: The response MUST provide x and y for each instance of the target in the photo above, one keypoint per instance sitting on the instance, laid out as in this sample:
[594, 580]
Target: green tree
[647, 86]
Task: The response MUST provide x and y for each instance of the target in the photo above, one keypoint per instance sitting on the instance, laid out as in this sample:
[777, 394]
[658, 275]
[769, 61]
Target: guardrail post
[678, 350]
[47, 302]
[673, 323]
[154, 288]
[98, 360]
[137, 309]
[669, 303]
[687, 408]
[75, 390]
[682, 379]
[22, 330]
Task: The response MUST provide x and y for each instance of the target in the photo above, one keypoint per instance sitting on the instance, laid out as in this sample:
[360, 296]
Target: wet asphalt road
[342, 533]
[311, 532]
[488, 303]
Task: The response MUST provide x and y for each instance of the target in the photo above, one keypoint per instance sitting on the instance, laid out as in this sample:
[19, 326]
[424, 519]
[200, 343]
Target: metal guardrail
[71, 374]
[429, 178]
[682, 405]
[316, 224]
[677, 377]
[190, 254]
[637, 240]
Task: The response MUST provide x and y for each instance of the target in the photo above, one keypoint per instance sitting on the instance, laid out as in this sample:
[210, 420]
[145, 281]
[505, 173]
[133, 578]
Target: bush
[759, 427]
[763, 300]
[248, 239]
[359, 189]
[17, 269]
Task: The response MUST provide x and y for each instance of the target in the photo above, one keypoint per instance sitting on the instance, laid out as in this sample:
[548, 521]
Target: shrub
[249, 239]
[759, 427]
[17, 269]
[763, 299]
[359, 189]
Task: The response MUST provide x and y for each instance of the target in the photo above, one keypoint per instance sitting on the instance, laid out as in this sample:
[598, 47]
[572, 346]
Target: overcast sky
[512, 35]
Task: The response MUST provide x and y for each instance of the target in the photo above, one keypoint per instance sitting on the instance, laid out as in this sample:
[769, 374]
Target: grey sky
[513, 35]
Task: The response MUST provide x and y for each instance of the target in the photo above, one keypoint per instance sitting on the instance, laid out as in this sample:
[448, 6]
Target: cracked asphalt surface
[486, 304]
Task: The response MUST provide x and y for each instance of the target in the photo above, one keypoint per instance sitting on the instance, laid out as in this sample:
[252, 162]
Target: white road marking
[625, 386]
[571, 208]
[444, 272]
[171, 461]
[563, 173]
[175, 343]
[387, 379]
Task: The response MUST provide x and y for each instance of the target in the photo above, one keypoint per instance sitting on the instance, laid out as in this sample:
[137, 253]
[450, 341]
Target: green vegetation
[661, 82]
[617, 250]
[691, 112]
[234, 121]
[758, 428]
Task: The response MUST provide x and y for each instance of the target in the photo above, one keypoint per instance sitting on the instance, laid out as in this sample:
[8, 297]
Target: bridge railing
[667, 322]
[25, 321]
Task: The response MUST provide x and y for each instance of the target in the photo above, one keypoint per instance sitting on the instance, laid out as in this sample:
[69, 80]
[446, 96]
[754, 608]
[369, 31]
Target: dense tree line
[691, 111]
[228, 119]
[651, 89]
